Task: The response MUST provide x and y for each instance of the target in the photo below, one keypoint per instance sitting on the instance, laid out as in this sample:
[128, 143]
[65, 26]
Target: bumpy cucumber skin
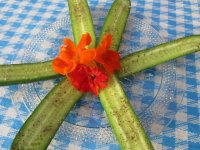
[159, 54]
[41, 126]
[26, 73]
[123, 120]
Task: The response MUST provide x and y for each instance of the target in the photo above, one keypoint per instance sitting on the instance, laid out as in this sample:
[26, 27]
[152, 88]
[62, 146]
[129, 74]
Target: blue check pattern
[21, 20]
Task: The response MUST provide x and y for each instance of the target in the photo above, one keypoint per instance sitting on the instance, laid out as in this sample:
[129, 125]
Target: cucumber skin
[130, 64]
[40, 128]
[123, 120]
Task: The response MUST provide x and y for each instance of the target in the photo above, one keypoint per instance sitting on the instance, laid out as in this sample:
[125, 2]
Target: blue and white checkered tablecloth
[21, 20]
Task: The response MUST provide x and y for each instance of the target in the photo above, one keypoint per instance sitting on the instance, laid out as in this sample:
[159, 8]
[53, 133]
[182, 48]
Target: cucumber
[81, 20]
[39, 129]
[115, 22]
[130, 64]
[156, 55]
[26, 73]
[123, 120]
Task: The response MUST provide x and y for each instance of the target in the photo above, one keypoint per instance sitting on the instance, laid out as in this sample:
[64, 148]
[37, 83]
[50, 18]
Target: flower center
[92, 76]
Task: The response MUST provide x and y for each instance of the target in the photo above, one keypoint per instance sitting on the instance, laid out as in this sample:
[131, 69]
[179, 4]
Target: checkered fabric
[21, 20]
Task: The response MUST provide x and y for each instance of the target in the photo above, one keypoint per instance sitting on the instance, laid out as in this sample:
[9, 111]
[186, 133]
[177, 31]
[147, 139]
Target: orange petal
[85, 41]
[69, 44]
[62, 67]
[87, 56]
[67, 55]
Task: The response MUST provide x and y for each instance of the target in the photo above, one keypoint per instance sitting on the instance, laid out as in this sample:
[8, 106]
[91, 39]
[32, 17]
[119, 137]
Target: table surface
[20, 20]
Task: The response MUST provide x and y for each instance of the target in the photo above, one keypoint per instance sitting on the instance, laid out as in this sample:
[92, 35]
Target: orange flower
[108, 58]
[71, 55]
[80, 64]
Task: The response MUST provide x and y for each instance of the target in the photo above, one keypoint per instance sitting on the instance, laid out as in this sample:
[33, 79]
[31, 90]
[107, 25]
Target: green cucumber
[39, 129]
[123, 120]
[130, 64]
[81, 20]
[115, 22]
[159, 54]
[26, 73]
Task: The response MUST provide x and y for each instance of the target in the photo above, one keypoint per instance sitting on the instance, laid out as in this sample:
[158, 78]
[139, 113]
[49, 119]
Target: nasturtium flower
[88, 79]
[70, 55]
[87, 68]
